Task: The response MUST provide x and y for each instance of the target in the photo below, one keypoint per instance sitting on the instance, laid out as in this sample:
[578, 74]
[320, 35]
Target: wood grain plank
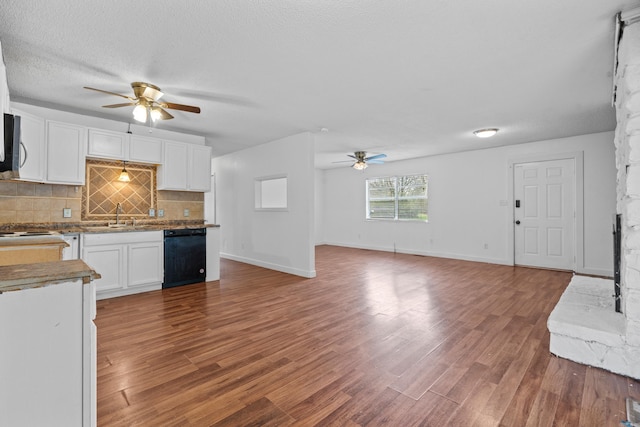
[375, 338]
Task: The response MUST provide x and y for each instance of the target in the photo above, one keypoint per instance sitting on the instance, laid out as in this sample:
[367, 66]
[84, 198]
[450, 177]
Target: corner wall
[278, 240]
[628, 183]
[470, 205]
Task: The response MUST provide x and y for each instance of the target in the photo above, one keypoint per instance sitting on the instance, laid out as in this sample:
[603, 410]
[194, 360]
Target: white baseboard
[271, 266]
[424, 253]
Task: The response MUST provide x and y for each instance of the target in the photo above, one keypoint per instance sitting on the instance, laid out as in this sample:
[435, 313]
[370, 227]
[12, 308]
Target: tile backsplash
[103, 192]
[26, 202]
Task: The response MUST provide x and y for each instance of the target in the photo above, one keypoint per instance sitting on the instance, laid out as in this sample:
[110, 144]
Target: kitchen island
[48, 357]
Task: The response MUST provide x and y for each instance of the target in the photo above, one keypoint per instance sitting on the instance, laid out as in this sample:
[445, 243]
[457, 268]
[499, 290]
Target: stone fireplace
[585, 326]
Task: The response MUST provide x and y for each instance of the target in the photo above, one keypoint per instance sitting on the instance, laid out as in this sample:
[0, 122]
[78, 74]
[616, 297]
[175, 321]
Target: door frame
[578, 158]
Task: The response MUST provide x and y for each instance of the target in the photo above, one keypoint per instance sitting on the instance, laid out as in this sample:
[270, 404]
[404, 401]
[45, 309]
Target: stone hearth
[584, 326]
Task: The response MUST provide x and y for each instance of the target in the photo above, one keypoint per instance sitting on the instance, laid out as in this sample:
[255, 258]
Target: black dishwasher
[185, 256]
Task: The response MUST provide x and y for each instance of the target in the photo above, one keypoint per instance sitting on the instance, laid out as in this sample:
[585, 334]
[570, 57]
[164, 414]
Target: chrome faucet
[118, 212]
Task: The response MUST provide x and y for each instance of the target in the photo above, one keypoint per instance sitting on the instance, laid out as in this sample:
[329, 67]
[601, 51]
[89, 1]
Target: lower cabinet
[48, 357]
[129, 262]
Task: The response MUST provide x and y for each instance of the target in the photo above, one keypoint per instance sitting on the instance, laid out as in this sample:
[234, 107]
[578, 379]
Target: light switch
[160, 213]
[66, 213]
[152, 212]
[186, 212]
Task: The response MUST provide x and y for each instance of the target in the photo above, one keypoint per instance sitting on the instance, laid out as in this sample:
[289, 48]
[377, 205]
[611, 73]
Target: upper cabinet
[66, 153]
[54, 152]
[51, 152]
[32, 147]
[4, 97]
[104, 144]
[199, 168]
[186, 167]
[143, 149]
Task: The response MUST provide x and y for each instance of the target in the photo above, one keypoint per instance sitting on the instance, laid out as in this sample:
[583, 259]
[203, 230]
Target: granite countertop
[26, 276]
[33, 241]
[102, 227]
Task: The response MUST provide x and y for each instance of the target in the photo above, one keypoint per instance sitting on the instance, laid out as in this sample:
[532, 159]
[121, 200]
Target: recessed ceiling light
[485, 133]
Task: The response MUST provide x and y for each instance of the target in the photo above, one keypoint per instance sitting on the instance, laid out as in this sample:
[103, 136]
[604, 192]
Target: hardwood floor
[376, 339]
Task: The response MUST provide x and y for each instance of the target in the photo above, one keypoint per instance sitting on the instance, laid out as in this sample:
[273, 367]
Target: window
[271, 193]
[398, 198]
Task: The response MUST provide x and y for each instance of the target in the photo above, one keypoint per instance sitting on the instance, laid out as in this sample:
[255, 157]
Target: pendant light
[124, 175]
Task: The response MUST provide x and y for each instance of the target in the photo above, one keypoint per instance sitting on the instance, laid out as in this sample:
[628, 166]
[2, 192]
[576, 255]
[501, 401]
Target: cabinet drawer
[121, 237]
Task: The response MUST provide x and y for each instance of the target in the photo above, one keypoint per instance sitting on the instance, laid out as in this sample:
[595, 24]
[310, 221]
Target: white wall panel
[467, 213]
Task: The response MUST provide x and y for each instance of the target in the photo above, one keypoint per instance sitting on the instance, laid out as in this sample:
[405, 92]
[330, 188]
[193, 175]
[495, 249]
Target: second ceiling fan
[147, 104]
[361, 159]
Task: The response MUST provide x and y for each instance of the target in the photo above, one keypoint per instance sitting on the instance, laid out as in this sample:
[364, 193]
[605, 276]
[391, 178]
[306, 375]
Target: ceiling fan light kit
[147, 103]
[485, 133]
[140, 113]
[360, 166]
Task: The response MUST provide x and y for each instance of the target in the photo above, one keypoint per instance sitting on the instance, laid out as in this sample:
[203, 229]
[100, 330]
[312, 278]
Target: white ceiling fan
[362, 161]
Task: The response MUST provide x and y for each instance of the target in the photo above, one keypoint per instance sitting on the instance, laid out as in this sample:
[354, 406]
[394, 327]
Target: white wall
[279, 240]
[465, 211]
[319, 206]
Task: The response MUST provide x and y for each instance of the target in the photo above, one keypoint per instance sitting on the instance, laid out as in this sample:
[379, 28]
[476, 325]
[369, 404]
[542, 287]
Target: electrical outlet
[160, 213]
[186, 212]
[152, 212]
[66, 213]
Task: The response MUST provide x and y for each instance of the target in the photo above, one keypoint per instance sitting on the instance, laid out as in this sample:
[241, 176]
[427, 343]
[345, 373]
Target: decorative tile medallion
[103, 191]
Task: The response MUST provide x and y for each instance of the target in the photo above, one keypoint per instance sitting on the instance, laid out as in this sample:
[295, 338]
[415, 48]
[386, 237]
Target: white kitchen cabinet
[4, 98]
[32, 147]
[151, 256]
[199, 168]
[66, 153]
[186, 167]
[143, 149]
[110, 261]
[172, 174]
[105, 144]
[48, 357]
[129, 262]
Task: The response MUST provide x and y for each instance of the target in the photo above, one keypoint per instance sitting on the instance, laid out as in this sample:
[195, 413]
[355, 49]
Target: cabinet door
[109, 262]
[172, 174]
[66, 153]
[146, 264]
[199, 168]
[32, 147]
[41, 357]
[104, 144]
[145, 150]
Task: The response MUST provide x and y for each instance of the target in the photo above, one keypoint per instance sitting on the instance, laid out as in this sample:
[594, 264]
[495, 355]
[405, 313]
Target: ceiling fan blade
[110, 93]
[181, 107]
[377, 156]
[126, 104]
[352, 156]
[164, 115]
[344, 161]
[375, 162]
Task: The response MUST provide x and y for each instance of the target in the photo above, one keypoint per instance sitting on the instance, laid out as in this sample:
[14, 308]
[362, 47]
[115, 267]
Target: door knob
[518, 222]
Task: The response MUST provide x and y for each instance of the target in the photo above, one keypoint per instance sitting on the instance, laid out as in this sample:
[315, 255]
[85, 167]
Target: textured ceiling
[407, 78]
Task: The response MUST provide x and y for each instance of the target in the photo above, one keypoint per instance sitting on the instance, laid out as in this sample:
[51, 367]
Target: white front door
[544, 214]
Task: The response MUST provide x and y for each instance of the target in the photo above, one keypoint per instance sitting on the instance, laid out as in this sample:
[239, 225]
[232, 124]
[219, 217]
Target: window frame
[396, 179]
